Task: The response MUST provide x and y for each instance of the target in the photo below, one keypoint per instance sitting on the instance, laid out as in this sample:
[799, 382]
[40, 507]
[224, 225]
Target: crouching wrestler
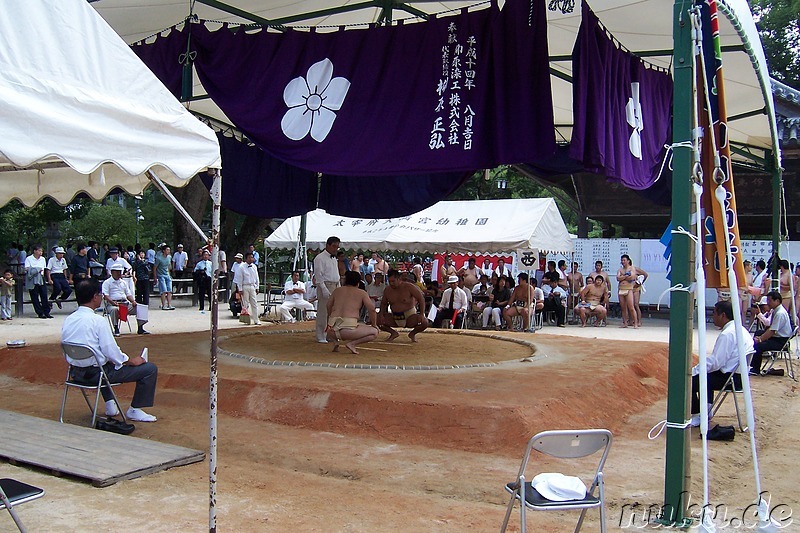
[407, 304]
[344, 308]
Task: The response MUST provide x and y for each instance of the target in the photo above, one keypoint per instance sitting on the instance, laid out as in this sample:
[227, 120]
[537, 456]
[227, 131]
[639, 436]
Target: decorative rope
[659, 428]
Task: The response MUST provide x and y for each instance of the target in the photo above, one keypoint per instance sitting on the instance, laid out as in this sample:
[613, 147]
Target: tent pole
[216, 197]
[301, 244]
[677, 458]
[777, 191]
[155, 180]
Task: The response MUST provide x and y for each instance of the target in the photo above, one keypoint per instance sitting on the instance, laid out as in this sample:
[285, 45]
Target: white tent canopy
[481, 226]
[81, 113]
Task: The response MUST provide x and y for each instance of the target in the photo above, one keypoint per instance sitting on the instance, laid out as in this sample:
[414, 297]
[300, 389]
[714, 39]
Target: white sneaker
[138, 415]
[695, 423]
[111, 408]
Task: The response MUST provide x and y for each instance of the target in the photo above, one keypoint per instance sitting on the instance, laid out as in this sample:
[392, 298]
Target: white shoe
[111, 408]
[138, 415]
[695, 422]
[322, 341]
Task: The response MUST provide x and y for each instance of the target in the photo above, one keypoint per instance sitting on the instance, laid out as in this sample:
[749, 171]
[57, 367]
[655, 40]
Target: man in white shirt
[247, 281]
[554, 297]
[295, 291]
[85, 327]
[180, 260]
[326, 274]
[773, 339]
[723, 360]
[454, 303]
[35, 265]
[56, 276]
[502, 269]
[115, 293]
[237, 262]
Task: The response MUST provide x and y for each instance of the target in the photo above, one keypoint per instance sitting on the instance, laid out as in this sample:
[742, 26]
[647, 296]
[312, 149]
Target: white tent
[464, 226]
[80, 112]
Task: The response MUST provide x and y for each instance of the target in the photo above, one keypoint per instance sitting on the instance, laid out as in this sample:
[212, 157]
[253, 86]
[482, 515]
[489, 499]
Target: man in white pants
[295, 291]
[247, 281]
[326, 274]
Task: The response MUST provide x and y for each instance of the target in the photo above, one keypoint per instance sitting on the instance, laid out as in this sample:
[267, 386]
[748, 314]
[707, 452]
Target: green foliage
[28, 224]
[104, 223]
[157, 212]
[778, 23]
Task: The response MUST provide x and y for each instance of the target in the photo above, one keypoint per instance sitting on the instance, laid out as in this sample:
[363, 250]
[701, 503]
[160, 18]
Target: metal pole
[161, 186]
[680, 325]
[216, 198]
[301, 243]
[777, 191]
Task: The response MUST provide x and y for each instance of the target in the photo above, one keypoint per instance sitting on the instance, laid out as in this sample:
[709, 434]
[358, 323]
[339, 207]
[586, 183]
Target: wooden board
[99, 456]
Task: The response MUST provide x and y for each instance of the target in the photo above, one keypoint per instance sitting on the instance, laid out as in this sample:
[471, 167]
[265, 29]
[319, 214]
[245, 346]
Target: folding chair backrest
[78, 352]
[571, 444]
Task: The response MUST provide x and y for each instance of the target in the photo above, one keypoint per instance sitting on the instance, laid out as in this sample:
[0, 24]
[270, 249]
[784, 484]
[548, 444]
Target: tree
[778, 23]
[106, 224]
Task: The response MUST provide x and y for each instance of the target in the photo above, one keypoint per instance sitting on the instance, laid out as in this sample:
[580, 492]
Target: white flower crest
[312, 102]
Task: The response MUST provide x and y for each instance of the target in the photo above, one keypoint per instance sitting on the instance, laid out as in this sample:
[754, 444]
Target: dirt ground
[333, 449]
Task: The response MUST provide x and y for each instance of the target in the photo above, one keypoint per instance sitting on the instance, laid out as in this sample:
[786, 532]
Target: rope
[665, 424]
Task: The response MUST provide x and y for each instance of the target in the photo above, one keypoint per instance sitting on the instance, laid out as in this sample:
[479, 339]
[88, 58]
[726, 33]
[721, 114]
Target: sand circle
[436, 350]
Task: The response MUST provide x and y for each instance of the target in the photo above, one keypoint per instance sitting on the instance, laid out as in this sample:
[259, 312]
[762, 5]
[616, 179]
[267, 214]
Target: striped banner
[713, 216]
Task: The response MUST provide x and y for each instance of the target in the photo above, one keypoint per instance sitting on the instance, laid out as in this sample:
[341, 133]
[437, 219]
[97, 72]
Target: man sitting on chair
[116, 292]
[554, 297]
[774, 338]
[453, 306]
[295, 291]
[723, 360]
[86, 328]
[520, 302]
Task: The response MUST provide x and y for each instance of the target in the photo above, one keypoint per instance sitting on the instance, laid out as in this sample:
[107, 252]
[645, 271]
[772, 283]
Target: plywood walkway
[99, 456]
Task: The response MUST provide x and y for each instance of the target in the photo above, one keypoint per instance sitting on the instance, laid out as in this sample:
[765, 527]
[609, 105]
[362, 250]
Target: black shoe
[42, 316]
[142, 332]
[58, 303]
[49, 316]
[116, 332]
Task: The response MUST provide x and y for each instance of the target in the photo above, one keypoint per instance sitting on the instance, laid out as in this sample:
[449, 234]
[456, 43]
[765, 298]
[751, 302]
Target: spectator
[774, 338]
[7, 284]
[502, 269]
[180, 262]
[56, 275]
[79, 266]
[554, 297]
[453, 306]
[522, 299]
[248, 282]
[256, 257]
[498, 300]
[35, 265]
[294, 291]
[163, 262]
[237, 262]
[470, 273]
[116, 293]
[203, 272]
[144, 272]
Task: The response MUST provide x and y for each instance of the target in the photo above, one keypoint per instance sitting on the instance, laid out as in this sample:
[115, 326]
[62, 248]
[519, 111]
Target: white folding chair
[80, 352]
[12, 493]
[562, 444]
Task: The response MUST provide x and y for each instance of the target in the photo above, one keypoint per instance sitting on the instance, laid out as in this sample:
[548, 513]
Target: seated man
[344, 307]
[85, 327]
[407, 305]
[774, 338]
[590, 301]
[117, 292]
[295, 290]
[723, 360]
[521, 300]
[555, 297]
[453, 305]
[376, 289]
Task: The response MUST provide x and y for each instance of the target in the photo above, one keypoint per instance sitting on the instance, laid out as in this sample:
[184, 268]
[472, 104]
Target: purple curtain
[621, 109]
[256, 184]
[163, 58]
[455, 93]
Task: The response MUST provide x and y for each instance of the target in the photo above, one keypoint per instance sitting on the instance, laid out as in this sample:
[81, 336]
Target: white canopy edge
[479, 226]
[72, 91]
[739, 14]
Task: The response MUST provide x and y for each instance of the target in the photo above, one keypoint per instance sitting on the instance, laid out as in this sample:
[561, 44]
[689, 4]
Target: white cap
[59, 250]
[558, 487]
[452, 279]
[118, 266]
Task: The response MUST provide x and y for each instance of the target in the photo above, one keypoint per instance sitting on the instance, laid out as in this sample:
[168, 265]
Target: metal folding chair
[562, 444]
[784, 354]
[12, 493]
[80, 352]
[733, 387]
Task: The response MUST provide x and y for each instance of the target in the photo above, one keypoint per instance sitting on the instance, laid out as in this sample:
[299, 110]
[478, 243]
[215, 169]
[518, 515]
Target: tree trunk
[194, 198]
